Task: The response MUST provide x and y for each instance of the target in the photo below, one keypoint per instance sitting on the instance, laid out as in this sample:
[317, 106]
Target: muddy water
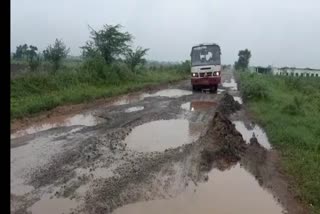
[172, 93]
[247, 133]
[230, 191]
[162, 134]
[198, 105]
[86, 119]
[133, 109]
[239, 99]
[53, 206]
[230, 84]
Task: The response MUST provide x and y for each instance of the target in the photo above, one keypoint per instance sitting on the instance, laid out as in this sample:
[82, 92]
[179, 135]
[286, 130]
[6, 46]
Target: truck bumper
[206, 81]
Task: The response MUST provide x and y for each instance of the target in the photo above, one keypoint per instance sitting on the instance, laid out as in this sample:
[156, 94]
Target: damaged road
[167, 150]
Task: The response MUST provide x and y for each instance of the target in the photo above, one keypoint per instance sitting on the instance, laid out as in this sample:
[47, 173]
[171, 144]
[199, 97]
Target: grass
[289, 110]
[40, 91]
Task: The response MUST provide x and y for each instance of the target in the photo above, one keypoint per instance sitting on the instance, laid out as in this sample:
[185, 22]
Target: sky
[277, 32]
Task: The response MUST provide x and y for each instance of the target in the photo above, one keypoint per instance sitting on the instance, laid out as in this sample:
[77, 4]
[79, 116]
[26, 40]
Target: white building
[299, 72]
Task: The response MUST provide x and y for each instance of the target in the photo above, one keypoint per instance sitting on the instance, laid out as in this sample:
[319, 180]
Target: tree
[56, 53]
[21, 52]
[134, 58]
[33, 58]
[243, 61]
[110, 42]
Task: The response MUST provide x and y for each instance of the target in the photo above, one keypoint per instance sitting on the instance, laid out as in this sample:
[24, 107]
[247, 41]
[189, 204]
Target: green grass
[40, 91]
[289, 110]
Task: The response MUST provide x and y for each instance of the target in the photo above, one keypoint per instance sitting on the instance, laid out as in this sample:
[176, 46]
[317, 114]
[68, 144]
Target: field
[289, 110]
[33, 92]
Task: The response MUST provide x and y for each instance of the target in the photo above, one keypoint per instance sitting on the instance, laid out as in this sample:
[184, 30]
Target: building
[299, 72]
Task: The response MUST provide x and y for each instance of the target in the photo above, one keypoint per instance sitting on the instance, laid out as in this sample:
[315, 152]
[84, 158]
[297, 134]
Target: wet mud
[165, 151]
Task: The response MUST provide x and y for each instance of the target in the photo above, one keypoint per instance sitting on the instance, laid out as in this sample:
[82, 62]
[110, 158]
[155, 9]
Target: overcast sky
[278, 32]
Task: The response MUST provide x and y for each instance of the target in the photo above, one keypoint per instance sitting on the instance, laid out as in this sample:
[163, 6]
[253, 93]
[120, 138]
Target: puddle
[220, 91]
[87, 119]
[53, 206]
[230, 191]
[161, 134]
[129, 99]
[248, 132]
[133, 109]
[231, 84]
[171, 93]
[239, 99]
[197, 105]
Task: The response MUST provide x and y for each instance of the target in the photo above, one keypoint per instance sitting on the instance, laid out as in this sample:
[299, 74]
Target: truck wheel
[194, 88]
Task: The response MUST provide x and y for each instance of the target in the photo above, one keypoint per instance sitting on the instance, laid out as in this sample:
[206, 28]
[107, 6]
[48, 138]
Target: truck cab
[206, 66]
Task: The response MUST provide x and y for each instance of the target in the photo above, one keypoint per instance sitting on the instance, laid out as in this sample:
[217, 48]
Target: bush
[294, 108]
[254, 88]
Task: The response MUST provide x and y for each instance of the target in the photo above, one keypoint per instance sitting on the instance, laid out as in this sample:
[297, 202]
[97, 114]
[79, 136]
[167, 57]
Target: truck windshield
[205, 55]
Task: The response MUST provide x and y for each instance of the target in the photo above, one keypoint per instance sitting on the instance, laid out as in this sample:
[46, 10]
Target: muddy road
[164, 150]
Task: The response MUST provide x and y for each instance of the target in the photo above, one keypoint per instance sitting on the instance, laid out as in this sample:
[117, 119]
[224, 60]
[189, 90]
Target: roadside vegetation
[109, 66]
[289, 110]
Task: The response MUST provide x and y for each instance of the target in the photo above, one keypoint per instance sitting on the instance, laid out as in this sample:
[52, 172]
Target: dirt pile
[228, 105]
[224, 145]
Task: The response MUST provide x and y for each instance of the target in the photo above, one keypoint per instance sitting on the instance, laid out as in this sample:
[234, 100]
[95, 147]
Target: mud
[160, 158]
[228, 105]
[198, 105]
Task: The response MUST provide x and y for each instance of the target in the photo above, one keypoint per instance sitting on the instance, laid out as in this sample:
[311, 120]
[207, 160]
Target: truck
[206, 66]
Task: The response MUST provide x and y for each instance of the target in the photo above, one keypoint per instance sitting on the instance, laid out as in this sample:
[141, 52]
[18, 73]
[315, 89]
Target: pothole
[231, 84]
[171, 93]
[229, 191]
[53, 206]
[198, 105]
[85, 119]
[239, 99]
[247, 133]
[133, 109]
[162, 134]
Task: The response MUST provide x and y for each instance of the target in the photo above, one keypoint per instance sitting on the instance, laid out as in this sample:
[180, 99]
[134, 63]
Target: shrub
[254, 88]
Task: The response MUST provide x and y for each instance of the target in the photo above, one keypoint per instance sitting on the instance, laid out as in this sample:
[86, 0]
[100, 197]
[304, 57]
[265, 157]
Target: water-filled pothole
[198, 105]
[239, 99]
[171, 93]
[85, 119]
[232, 84]
[247, 133]
[133, 109]
[230, 191]
[162, 134]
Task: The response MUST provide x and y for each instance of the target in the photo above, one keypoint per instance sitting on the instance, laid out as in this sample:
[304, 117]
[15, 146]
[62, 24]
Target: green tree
[243, 61]
[135, 58]
[56, 53]
[21, 52]
[33, 58]
[110, 42]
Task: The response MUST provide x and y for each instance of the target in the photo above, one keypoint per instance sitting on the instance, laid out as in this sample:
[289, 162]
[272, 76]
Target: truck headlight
[193, 74]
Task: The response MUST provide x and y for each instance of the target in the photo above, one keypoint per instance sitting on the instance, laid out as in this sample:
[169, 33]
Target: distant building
[298, 72]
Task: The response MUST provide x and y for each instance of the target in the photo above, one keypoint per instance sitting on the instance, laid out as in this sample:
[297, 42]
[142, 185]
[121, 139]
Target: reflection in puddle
[220, 91]
[128, 99]
[232, 85]
[87, 119]
[171, 93]
[256, 130]
[231, 191]
[162, 134]
[239, 99]
[53, 206]
[135, 108]
[197, 105]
